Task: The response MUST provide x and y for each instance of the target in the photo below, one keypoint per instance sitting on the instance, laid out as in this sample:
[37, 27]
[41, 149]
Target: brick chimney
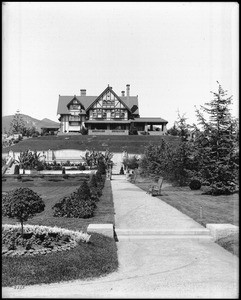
[123, 93]
[127, 90]
[82, 92]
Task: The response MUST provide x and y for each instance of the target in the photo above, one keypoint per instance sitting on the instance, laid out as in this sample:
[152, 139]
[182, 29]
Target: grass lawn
[215, 209]
[133, 143]
[51, 192]
[99, 257]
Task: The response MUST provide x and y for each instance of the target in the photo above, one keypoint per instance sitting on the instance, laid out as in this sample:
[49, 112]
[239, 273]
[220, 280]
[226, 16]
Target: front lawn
[52, 191]
[203, 209]
[99, 257]
[86, 261]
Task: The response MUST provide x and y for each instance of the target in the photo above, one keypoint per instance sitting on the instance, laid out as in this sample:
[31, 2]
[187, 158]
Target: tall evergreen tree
[17, 124]
[215, 144]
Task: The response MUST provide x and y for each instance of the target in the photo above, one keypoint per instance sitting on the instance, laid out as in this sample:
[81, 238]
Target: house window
[118, 114]
[98, 113]
[75, 106]
[74, 118]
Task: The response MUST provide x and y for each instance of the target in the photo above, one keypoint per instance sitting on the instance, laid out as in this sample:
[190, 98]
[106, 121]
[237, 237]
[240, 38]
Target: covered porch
[151, 126]
[106, 127]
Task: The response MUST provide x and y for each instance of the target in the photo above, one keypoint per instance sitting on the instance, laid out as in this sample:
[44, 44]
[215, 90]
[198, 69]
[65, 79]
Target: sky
[172, 54]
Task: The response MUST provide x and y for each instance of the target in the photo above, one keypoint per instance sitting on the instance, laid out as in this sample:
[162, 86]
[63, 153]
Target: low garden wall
[56, 172]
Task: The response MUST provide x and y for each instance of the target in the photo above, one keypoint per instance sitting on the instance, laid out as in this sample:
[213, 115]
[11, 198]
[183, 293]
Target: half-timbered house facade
[107, 113]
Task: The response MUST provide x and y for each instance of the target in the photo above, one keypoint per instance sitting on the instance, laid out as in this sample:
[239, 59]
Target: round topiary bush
[195, 184]
[122, 171]
[22, 204]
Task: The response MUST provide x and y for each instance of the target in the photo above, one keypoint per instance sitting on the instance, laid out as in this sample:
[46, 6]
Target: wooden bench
[155, 189]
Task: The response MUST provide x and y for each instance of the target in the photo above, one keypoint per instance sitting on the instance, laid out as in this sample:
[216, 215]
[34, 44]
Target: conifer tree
[215, 144]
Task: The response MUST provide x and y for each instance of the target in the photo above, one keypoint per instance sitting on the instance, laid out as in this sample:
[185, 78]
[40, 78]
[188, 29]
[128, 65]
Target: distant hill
[29, 121]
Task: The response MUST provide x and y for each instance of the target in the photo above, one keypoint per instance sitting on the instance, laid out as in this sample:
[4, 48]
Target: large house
[107, 113]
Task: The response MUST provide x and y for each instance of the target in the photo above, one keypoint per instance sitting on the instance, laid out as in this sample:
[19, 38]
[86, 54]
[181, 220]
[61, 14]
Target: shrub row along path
[162, 254]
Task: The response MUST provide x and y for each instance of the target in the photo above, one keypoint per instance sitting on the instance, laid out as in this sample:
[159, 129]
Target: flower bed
[39, 239]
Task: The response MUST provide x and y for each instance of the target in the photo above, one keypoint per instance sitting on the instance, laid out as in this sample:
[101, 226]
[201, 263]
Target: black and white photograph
[120, 150]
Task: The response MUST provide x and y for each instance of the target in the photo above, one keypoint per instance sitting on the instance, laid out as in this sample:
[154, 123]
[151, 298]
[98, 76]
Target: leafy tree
[17, 124]
[23, 204]
[131, 162]
[94, 158]
[216, 147]
[173, 130]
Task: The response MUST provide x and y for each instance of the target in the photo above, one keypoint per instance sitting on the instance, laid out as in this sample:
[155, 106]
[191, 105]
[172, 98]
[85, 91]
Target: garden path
[162, 254]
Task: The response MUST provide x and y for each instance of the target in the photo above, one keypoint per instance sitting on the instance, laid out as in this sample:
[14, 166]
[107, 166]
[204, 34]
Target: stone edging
[218, 231]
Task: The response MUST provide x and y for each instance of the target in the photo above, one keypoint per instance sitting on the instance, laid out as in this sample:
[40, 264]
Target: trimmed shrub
[100, 180]
[195, 184]
[95, 190]
[122, 171]
[79, 204]
[101, 167]
[84, 131]
[40, 168]
[19, 177]
[16, 170]
[81, 167]
[63, 171]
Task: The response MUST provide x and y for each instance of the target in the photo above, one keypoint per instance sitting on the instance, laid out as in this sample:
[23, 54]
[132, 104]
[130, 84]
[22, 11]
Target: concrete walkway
[162, 254]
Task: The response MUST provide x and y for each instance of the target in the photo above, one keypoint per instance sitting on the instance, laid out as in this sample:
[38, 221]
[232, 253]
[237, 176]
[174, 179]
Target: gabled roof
[105, 91]
[130, 102]
[64, 101]
[88, 101]
[74, 98]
